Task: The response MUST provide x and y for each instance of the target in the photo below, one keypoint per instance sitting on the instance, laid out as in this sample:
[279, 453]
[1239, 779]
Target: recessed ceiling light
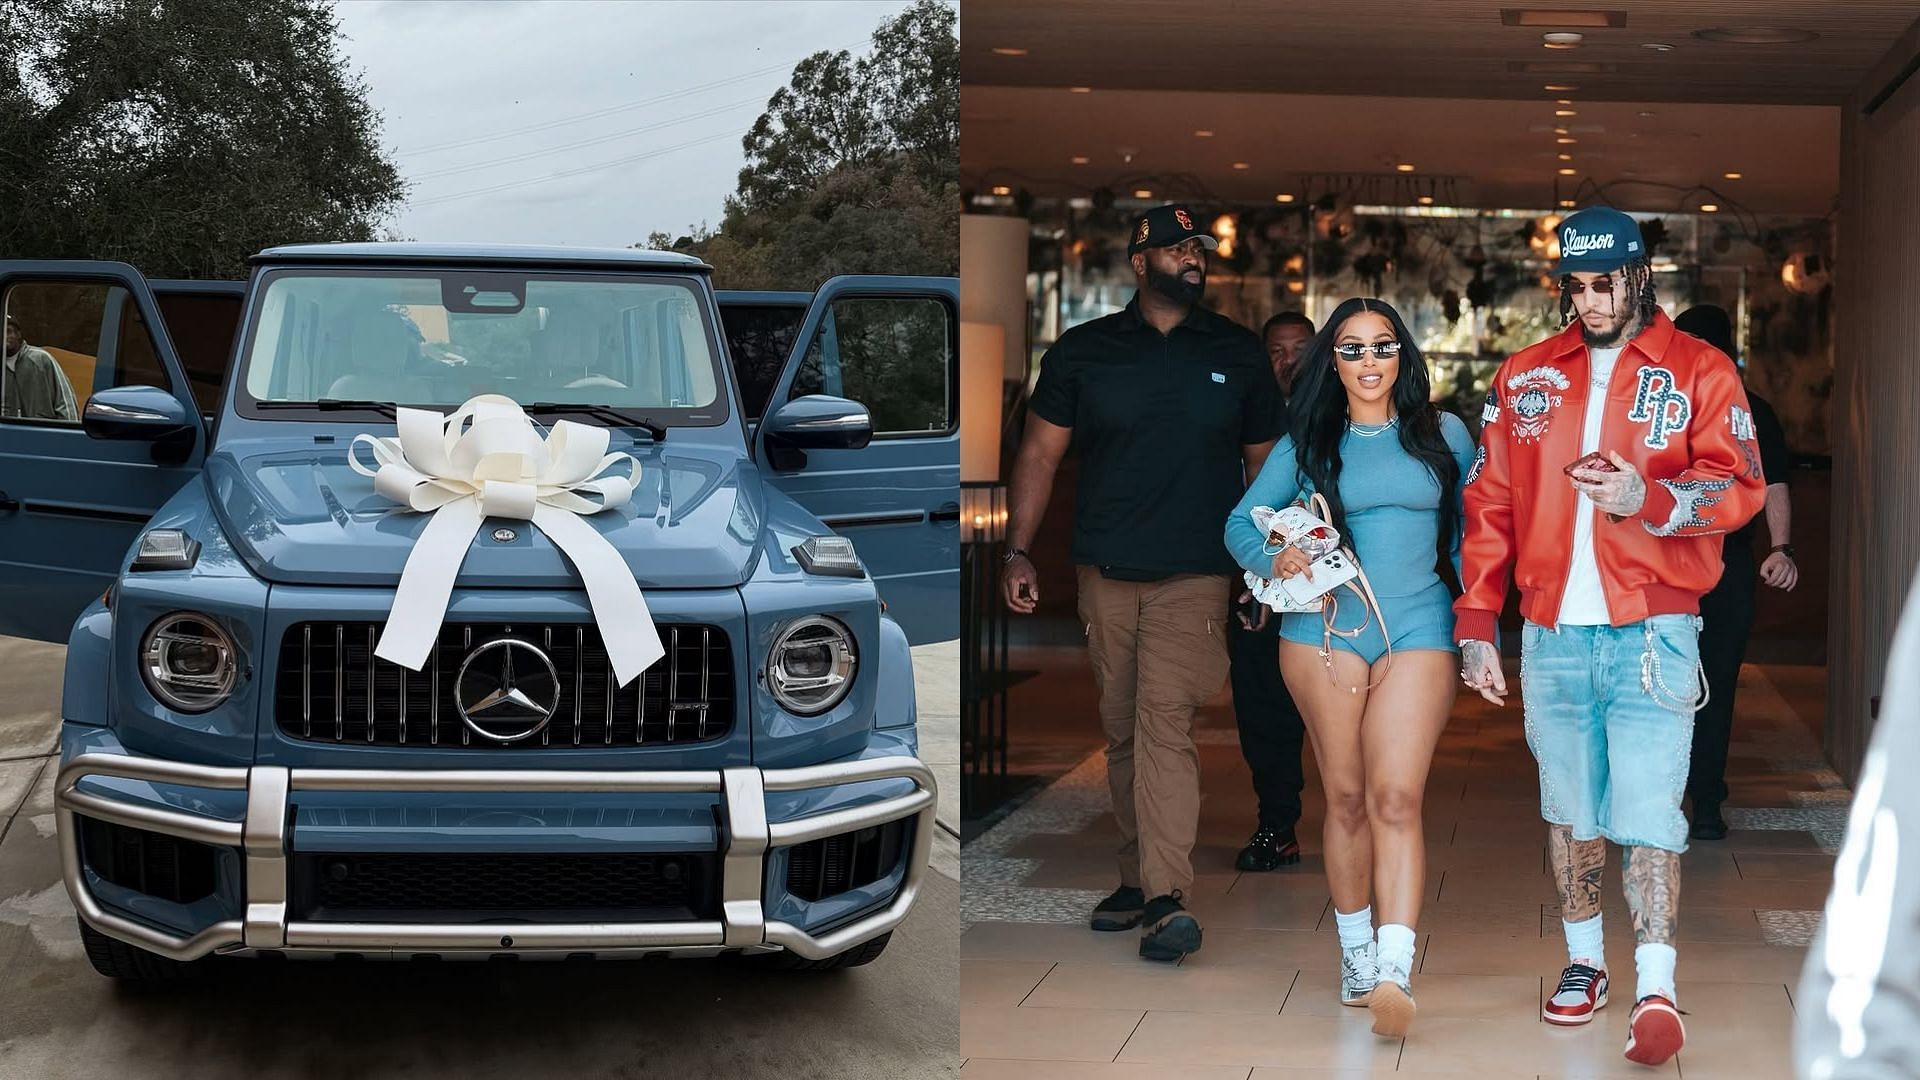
[1566, 204]
[1404, 167]
[1657, 46]
[1003, 190]
[1563, 101]
[1755, 35]
[1565, 39]
[1566, 140]
[1566, 157]
[1203, 134]
[1733, 175]
[1283, 197]
[1709, 208]
[1561, 131]
[1568, 172]
[1241, 165]
[1537, 17]
[1009, 52]
[1559, 88]
[1565, 112]
[1426, 200]
[1079, 160]
[1081, 89]
[1646, 114]
[1143, 193]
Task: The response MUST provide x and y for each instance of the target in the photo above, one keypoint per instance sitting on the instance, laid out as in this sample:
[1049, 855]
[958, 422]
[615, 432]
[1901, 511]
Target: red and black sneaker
[1654, 1031]
[1583, 992]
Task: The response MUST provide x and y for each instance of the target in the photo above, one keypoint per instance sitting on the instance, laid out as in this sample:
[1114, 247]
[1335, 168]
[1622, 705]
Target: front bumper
[263, 835]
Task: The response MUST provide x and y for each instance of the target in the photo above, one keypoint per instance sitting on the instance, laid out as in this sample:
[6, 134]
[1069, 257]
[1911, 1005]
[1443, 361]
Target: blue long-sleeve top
[1391, 499]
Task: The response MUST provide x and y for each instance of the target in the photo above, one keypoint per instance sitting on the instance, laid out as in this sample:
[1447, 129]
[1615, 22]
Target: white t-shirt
[1585, 603]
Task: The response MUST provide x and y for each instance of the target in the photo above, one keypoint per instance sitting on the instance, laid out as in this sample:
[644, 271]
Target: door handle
[949, 514]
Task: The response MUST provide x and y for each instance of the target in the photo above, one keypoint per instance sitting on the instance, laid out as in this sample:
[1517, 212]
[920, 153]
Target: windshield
[431, 339]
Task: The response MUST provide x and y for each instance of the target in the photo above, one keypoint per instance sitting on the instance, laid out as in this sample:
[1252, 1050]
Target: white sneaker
[1359, 971]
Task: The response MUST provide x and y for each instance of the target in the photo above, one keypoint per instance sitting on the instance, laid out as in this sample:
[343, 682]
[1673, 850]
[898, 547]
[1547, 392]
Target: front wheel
[858, 956]
[133, 966]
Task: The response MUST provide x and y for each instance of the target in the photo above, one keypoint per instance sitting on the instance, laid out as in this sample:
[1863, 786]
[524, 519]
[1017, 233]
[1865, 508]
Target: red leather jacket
[1677, 410]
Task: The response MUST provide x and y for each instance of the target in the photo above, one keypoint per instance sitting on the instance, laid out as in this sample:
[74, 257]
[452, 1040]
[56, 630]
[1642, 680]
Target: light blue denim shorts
[1610, 722]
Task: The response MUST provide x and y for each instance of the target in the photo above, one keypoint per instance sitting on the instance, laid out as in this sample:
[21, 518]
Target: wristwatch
[1784, 549]
[1012, 554]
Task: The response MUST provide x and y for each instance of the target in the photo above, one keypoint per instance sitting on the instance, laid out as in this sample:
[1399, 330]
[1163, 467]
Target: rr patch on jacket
[1532, 399]
[1660, 404]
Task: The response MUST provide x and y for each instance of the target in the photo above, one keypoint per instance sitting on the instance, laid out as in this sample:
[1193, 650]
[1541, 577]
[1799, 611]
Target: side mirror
[134, 412]
[819, 422]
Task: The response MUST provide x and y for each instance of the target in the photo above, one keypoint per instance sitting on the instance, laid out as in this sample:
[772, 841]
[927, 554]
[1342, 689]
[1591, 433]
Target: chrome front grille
[333, 689]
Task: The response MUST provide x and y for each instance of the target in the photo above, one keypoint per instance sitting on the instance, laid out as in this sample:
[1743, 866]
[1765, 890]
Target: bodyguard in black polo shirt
[1172, 407]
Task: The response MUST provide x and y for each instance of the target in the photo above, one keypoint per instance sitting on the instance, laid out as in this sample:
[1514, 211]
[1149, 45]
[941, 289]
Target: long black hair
[1318, 419]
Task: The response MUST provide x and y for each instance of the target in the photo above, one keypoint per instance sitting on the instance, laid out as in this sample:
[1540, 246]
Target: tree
[854, 167]
[182, 136]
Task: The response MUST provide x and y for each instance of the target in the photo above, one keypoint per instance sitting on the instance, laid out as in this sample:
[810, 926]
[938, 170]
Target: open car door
[98, 428]
[891, 344]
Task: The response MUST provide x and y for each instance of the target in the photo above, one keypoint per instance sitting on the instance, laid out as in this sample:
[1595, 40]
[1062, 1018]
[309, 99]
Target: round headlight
[189, 662]
[811, 667]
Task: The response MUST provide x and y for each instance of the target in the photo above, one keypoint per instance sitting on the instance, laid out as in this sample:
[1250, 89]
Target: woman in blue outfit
[1391, 467]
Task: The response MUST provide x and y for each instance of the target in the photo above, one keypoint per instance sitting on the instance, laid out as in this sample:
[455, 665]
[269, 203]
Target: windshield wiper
[384, 408]
[604, 413]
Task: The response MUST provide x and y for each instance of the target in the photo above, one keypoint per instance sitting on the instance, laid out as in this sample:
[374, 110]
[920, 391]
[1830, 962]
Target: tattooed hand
[1620, 493]
[1480, 670]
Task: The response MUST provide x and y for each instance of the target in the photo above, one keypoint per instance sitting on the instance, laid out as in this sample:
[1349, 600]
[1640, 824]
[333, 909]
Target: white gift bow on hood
[498, 466]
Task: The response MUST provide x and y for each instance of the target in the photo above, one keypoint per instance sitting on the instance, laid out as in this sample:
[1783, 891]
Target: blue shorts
[1423, 620]
[1610, 722]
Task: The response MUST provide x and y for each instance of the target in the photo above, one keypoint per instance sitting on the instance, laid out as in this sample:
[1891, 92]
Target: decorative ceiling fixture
[1755, 35]
[1563, 40]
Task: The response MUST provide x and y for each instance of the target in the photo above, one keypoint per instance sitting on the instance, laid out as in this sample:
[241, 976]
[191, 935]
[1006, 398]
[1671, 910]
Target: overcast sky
[663, 89]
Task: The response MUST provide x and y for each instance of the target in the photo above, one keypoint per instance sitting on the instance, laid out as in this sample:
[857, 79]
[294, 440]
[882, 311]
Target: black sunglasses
[1382, 350]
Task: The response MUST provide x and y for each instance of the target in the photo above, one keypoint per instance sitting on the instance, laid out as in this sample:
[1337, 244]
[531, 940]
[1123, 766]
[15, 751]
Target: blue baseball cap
[1598, 239]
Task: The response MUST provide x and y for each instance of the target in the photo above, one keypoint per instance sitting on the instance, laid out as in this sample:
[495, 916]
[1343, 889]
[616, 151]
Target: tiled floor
[1042, 996]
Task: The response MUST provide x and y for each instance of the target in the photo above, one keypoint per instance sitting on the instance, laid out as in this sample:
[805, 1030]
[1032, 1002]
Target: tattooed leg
[1652, 880]
[1578, 866]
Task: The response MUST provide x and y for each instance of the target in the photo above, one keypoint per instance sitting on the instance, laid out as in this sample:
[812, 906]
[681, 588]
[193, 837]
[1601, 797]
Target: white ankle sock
[1356, 928]
[1396, 948]
[1586, 942]
[1655, 964]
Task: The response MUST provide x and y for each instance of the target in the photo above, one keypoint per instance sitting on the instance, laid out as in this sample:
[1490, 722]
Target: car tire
[859, 955]
[133, 966]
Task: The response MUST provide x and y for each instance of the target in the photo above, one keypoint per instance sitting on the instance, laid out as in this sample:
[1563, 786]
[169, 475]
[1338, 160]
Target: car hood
[299, 514]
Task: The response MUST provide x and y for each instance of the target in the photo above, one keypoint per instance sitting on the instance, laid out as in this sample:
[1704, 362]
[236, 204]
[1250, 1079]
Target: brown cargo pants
[1159, 650]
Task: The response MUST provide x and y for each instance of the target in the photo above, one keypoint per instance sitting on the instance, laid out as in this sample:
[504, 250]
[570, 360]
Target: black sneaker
[1171, 932]
[1121, 911]
[1269, 849]
[1707, 822]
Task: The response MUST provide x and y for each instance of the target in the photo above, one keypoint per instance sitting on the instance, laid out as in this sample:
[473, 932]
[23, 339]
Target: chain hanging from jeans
[1655, 684]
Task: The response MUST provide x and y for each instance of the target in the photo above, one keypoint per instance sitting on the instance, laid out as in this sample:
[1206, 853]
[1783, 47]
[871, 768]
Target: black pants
[1727, 613]
[1271, 731]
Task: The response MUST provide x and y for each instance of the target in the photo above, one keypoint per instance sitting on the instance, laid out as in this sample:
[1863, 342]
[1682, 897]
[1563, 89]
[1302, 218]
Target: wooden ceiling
[1429, 48]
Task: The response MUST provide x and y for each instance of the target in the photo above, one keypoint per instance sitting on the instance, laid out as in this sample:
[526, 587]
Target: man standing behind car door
[1172, 407]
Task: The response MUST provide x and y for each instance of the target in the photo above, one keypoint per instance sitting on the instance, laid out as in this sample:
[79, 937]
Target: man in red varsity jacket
[1611, 557]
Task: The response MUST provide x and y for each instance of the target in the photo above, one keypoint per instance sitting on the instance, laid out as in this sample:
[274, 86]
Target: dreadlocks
[1636, 280]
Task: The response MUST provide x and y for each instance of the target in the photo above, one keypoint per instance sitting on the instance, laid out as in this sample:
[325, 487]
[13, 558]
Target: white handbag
[1334, 565]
